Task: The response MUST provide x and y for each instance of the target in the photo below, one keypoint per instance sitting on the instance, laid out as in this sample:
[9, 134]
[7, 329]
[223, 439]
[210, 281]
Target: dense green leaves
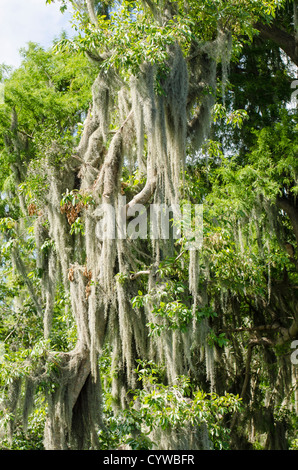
[247, 267]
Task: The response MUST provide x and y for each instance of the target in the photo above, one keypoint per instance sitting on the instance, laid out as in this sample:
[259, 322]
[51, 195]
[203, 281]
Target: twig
[12, 331]
[148, 271]
[126, 120]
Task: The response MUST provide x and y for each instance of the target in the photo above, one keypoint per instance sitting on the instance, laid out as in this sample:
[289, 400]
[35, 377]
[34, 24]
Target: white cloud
[22, 21]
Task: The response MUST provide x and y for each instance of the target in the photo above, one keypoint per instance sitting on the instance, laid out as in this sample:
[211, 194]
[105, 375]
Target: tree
[252, 272]
[158, 68]
[250, 254]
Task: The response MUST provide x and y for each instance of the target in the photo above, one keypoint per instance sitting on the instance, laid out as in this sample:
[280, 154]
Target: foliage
[157, 406]
[132, 26]
[179, 340]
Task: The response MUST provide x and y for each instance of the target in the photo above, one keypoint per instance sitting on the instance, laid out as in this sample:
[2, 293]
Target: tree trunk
[74, 407]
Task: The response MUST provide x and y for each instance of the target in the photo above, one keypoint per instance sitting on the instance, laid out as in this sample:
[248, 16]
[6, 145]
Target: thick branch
[283, 39]
[91, 12]
[288, 334]
[143, 196]
[252, 344]
[108, 178]
[140, 273]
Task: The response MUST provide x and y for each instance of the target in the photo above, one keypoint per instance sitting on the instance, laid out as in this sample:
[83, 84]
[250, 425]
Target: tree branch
[140, 273]
[144, 195]
[91, 12]
[109, 172]
[288, 334]
[283, 39]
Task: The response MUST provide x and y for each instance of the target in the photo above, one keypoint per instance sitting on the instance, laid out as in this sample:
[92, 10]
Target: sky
[22, 21]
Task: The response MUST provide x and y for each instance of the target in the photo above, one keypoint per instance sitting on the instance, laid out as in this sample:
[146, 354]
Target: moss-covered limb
[112, 169]
[91, 11]
[144, 196]
[74, 406]
[72, 394]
